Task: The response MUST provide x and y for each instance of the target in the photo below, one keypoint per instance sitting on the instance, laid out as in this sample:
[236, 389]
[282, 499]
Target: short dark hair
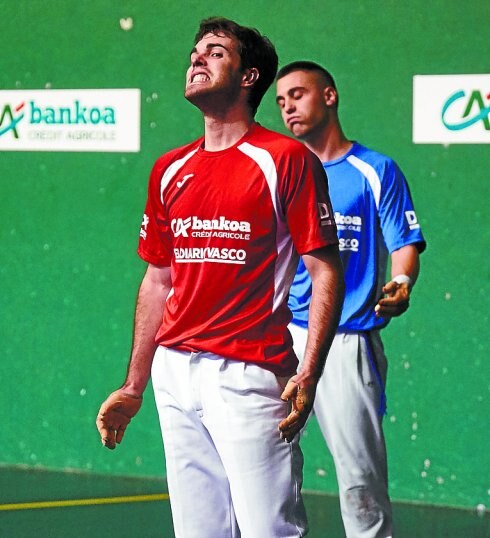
[305, 65]
[255, 50]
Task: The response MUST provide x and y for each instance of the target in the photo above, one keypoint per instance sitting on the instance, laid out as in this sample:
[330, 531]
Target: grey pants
[349, 406]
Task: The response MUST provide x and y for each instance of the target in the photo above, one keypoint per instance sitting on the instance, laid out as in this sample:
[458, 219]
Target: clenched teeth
[200, 78]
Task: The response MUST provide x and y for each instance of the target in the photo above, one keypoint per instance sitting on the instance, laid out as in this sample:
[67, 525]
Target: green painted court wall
[70, 222]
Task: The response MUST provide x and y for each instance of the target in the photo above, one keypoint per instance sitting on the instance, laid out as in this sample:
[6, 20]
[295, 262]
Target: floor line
[84, 502]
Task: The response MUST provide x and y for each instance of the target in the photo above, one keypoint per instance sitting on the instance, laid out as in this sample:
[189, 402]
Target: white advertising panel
[70, 120]
[451, 109]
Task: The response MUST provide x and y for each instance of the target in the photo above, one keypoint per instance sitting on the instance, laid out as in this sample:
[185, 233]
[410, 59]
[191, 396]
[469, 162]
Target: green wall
[70, 222]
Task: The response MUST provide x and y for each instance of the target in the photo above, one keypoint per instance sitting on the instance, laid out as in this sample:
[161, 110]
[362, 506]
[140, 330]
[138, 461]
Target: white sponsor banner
[70, 120]
[451, 109]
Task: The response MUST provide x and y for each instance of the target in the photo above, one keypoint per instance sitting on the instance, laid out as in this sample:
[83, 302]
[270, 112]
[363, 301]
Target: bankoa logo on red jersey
[181, 226]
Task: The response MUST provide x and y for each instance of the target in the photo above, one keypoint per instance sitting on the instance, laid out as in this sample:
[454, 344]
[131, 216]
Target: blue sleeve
[399, 222]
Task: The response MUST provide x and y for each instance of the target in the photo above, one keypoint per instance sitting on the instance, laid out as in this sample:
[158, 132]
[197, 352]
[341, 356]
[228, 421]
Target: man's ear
[250, 77]
[330, 95]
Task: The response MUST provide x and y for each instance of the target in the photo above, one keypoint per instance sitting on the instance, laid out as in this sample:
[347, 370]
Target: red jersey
[231, 224]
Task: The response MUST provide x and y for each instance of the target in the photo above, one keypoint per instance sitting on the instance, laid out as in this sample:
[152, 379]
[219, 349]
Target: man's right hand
[114, 416]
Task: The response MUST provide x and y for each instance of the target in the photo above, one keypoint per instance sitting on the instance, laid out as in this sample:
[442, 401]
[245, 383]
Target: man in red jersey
[225, 220]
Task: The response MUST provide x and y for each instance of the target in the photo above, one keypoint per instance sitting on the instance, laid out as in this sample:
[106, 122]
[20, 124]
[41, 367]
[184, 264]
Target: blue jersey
[374, 216]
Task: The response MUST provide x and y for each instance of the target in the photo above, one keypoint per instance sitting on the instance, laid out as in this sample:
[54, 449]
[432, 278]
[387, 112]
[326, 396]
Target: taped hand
[301, 399]
[395, 301]
[114, 416]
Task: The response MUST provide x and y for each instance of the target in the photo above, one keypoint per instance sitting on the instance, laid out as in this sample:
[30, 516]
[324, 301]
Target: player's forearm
[324, 315]
[405, 261]
[148, 318]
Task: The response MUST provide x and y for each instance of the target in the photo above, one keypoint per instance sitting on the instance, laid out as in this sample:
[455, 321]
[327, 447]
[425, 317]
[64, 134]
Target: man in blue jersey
[375, 220]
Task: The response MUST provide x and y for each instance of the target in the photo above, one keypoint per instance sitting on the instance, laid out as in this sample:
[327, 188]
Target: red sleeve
[307, 204]
[155, 243]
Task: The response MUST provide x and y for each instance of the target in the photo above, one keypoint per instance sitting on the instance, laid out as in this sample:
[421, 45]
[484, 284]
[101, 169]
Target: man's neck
[222, 131]
[329, 144]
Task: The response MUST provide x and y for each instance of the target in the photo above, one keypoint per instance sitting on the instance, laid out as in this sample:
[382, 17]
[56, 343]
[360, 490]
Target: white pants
[229, 473]
[349, 406]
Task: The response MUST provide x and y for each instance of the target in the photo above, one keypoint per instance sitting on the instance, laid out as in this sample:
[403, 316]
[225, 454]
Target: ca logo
[13, 121]
[475, 98]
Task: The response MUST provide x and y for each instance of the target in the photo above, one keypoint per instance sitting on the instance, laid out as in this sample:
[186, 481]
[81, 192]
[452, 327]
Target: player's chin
[193, 92]
[189, 93]
[298, 130]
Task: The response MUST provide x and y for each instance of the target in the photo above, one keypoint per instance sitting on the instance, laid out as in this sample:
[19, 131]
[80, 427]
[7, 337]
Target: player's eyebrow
[290, 92]
[211, 46]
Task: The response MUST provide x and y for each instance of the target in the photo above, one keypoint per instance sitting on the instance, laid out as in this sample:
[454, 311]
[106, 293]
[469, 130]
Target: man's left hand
[395, 301]
[301, 398]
